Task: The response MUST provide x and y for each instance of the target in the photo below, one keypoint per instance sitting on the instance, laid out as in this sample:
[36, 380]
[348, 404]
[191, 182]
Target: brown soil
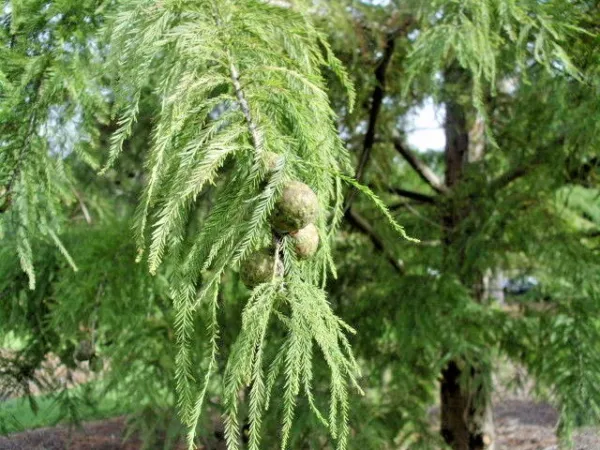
[100, 435]
[521, 425]
[525, 425]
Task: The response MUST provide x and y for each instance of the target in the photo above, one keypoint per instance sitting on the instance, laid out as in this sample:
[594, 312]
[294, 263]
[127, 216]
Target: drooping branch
[26, 141]
[422, 169]
[362, 225]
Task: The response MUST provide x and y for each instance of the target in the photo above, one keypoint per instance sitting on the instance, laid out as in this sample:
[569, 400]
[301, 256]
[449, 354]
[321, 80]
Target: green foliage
[87, 402]
[204, 110]
[230, 94]
[48, 97]
[478, 35]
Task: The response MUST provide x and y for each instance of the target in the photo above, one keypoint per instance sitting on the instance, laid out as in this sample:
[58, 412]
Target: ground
[521, 425]
[521, 422]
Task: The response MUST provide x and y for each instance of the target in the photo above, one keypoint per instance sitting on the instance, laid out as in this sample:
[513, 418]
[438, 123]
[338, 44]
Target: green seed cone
[306, 241]
[297, 207]
[258, 268]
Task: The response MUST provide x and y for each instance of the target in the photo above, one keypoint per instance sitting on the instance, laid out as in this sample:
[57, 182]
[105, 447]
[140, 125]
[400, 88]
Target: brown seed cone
[297, 207]
[258, 268]
[306, 241]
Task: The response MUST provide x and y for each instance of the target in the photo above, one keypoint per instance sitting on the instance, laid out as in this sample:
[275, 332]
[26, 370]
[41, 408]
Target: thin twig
[86, 213]
[257, 139]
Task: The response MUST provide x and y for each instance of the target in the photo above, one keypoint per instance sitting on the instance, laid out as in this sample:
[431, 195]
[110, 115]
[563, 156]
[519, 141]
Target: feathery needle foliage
[237, 80]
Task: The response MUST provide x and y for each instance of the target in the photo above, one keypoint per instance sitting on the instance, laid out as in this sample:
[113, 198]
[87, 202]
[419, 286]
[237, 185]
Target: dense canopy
[216, 205]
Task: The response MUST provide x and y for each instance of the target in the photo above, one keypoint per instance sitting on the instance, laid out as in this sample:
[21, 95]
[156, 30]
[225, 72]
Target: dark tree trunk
[467, 420]
[466, 414]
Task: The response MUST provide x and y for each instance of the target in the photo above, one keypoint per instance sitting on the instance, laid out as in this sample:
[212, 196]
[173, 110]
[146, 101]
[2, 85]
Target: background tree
[480, 204]
[210, 108]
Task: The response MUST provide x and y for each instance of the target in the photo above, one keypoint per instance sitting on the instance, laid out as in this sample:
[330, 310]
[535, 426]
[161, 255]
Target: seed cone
[306, 241]
[258, 268]
[297, 207]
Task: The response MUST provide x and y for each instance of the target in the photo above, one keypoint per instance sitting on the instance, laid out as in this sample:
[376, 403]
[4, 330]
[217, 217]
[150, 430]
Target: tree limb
[376, 100]
[422, 169]
[361, 224]
[418, 196]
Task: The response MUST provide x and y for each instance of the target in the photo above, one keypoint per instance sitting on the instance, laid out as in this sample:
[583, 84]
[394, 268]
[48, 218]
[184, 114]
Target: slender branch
[361, 224]
[422, 217]
[84, 210]
[422, 169]
[257, 139]
[376, 101]
[418, 196]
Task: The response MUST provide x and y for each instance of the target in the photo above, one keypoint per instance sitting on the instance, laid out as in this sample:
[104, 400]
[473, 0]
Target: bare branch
[361, 224]
[418, 196]
[376, 101]
[422, 169]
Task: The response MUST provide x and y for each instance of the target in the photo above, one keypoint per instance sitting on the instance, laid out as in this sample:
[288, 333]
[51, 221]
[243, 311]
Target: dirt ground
[521, 425]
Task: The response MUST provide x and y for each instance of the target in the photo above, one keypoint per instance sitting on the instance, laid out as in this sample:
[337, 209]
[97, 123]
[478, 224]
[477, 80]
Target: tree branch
[422, 169]
[418, 196]
[361, 224]
[376, 100]
[257, 139]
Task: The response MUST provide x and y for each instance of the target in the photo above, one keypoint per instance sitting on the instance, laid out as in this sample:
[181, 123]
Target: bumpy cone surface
[297, 207]
[258, 268]
[306, 241]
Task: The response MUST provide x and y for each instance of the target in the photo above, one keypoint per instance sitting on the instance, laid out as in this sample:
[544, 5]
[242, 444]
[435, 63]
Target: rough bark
[467, 420]
[466, 414]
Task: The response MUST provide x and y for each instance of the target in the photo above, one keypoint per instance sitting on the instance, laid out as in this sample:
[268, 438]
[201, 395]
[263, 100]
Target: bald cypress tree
[178, 179]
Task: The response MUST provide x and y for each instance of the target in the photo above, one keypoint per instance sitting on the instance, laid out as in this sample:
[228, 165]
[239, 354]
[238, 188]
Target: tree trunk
[466, 414]
[467, 419]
